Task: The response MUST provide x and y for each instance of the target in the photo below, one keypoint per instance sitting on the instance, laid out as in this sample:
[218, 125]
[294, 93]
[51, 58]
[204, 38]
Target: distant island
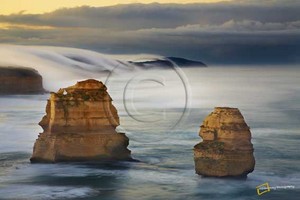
[169, 62]
[20, 80]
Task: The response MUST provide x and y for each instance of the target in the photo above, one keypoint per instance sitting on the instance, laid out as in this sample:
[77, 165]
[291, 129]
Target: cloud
[232, 26]
[236, 32]
[268, 2]
[140, 16]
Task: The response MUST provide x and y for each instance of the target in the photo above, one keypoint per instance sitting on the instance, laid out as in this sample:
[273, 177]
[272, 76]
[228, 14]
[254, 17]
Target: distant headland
[20, 80]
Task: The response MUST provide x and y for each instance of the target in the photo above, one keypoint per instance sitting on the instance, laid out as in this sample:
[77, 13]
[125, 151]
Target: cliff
[80, 125]
[18, 80]
[226, 149]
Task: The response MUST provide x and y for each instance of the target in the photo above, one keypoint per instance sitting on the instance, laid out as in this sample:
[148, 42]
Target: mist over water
[160, 111]
[61, 66]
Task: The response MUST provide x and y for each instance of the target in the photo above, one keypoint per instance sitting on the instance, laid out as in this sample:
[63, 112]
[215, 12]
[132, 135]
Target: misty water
[161, 111]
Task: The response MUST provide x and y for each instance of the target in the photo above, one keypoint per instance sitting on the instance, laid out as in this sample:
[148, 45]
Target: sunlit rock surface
[19, 80]
[80, 126]
[226, 149]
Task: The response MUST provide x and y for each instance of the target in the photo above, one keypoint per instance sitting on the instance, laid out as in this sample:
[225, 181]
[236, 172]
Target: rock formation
[18, 80]
[80, 126]
[226, 149]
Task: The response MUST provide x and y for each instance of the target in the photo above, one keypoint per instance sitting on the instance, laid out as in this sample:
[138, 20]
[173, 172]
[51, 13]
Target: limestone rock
[226, 149]
[19, 80]
[80, 126]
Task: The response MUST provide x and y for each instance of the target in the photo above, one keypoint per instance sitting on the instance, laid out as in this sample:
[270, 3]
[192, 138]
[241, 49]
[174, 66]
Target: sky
[233, 32]
[41, 6]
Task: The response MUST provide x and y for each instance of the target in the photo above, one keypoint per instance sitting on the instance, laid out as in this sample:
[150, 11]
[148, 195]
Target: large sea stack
[80, 126]
[226, 149]
[20, 80]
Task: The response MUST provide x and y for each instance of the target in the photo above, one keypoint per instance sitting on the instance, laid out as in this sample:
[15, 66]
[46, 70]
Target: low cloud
[237, 32]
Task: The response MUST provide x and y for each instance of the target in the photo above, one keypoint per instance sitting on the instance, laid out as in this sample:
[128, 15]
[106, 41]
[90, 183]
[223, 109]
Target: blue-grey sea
[161, 114]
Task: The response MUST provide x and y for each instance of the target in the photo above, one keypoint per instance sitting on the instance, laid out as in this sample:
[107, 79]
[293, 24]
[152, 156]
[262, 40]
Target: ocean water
[161, 111]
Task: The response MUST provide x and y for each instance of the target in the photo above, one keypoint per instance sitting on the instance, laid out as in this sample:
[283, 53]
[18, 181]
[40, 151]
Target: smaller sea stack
[226, 149]
[80, 126]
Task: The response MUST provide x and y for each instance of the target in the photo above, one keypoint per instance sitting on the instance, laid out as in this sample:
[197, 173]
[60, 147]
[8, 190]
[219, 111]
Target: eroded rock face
[80, 126]
[19, 80]
[226, 149]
